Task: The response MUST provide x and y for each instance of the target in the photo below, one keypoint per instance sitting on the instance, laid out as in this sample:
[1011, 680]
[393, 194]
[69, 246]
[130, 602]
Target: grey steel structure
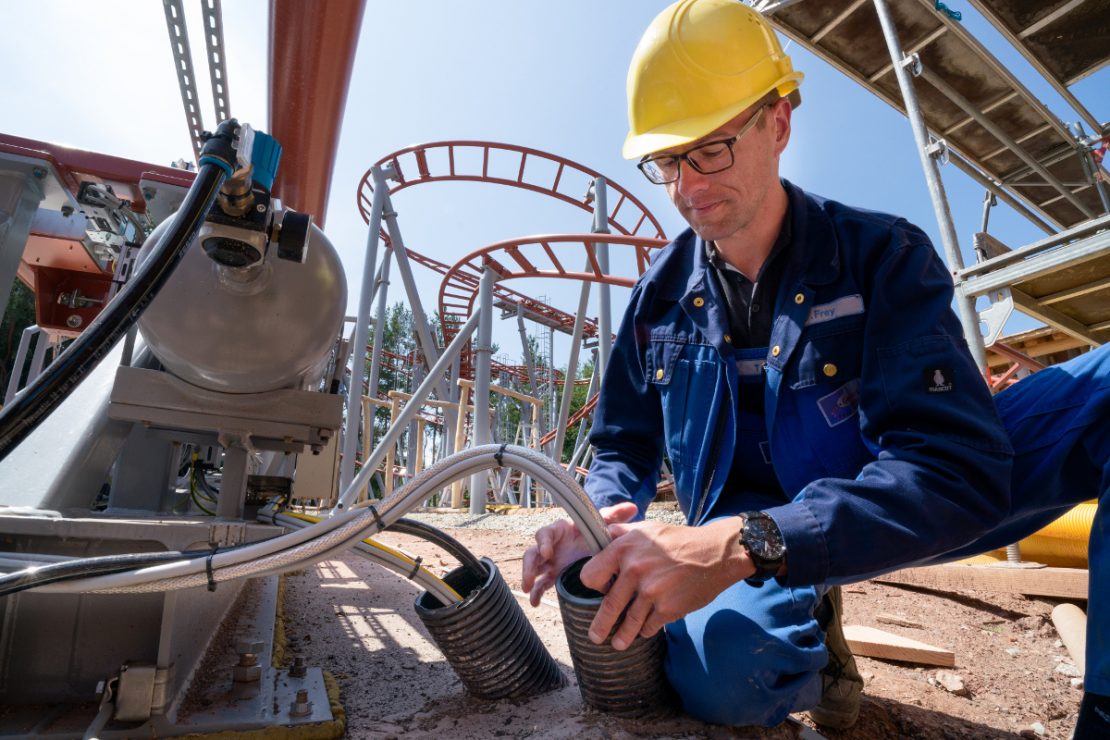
[967, 108]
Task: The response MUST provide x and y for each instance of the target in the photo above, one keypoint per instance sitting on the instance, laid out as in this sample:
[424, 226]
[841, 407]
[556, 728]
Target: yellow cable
[384, 548]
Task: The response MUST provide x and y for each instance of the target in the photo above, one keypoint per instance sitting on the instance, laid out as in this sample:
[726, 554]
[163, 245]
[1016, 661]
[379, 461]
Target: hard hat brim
[688, 130]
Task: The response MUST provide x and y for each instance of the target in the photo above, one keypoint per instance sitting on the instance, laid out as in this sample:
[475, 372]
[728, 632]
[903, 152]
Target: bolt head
[261, 208]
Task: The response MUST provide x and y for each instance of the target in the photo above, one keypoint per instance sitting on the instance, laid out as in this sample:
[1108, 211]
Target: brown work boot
[841, 683]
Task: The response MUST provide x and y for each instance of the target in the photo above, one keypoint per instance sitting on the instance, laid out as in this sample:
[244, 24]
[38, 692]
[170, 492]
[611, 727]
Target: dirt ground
[357, 620]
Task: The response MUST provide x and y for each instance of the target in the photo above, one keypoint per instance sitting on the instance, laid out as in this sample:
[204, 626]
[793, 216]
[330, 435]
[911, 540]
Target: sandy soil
[357, 620]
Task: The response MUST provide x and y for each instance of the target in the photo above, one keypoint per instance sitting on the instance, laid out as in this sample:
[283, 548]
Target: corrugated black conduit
[628, 683]
[20, 417]
[487, 639]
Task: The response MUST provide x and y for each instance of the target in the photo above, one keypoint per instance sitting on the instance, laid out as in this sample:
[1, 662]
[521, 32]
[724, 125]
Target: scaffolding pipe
[605, 310]
[479, 482]
[379, 339]
[970, 170]
[965, 105]
[358, 349]
[351, 492]
[400, 254]
[572, 373]
[969, 319]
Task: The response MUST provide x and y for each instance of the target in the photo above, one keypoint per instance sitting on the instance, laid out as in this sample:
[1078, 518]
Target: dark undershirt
[751, 305]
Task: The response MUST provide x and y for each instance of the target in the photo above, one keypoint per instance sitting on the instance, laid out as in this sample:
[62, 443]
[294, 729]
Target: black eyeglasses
[709, 158]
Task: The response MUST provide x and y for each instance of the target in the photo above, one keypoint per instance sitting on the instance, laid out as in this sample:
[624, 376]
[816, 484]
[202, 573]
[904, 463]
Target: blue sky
[99, 76]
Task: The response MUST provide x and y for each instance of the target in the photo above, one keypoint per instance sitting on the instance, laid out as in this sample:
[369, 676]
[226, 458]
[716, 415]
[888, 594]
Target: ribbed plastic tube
[628, 683]
[487, 639]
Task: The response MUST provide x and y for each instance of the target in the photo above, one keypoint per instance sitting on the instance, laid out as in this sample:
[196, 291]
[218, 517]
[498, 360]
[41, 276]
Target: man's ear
[781, 112]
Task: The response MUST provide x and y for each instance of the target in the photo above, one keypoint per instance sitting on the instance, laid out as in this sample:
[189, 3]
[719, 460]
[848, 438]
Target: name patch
[939, 380]
[840, 405]
[849, 305]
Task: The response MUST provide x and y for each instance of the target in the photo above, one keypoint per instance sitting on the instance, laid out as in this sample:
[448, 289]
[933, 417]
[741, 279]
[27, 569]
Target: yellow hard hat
[700, 64]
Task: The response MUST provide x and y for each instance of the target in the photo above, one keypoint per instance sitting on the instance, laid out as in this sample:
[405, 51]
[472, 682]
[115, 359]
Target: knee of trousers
[757, 684]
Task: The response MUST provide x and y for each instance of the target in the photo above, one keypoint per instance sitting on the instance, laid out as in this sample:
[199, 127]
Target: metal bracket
[938, 150]
[912, 62]
[996, 316]
[135, 692]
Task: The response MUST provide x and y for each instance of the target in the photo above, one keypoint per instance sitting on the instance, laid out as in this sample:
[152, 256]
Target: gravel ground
[356, 620]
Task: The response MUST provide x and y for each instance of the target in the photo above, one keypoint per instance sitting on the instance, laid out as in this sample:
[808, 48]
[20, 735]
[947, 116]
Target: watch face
[763, 537]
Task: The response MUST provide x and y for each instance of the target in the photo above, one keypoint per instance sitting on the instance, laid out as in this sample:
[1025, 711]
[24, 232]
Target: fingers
[529, 569]
[621, 593]
[633, 622]
[625, 511]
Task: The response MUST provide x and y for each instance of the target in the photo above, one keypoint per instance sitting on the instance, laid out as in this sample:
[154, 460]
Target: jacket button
[775, 351]
[829, 369]
[659, 374]
[728, 339]
[799, 298]
[699, 302]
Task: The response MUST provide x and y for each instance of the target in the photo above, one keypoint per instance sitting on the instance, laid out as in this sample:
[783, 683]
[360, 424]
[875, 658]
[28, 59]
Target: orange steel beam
[312, 51]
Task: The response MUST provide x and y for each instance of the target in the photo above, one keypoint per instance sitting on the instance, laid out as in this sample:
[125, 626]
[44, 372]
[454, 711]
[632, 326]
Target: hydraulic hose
[27, 410]
[385, 556]
[438, 537]
[304, 547]
[38, 575]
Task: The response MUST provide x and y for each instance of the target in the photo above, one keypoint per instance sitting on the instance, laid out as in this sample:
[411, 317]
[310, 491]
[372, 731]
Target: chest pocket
[825, 383]
[685, 382]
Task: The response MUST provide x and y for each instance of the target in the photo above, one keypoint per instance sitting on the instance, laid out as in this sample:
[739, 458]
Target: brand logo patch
[840, 405]
[939, 380]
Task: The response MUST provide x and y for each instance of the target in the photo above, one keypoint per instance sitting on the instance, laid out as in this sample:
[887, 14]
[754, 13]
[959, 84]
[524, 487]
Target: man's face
[720, 205]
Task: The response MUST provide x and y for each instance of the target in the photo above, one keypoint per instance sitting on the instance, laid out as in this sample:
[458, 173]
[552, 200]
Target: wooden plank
[1059, 583]
[875, 643]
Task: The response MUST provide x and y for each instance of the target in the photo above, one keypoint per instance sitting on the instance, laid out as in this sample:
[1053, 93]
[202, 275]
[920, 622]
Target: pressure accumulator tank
[248, 330]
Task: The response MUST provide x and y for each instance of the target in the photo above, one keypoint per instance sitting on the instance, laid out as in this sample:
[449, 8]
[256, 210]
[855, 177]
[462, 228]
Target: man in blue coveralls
[799, 363]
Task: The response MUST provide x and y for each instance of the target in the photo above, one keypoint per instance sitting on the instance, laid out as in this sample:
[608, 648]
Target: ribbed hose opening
[628, 683]
[487, 639]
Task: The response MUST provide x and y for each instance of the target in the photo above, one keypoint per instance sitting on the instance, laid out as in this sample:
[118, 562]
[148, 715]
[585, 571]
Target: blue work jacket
[881, 431]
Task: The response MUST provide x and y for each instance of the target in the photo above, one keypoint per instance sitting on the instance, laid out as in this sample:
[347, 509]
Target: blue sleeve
[627, 432]
[941, 476]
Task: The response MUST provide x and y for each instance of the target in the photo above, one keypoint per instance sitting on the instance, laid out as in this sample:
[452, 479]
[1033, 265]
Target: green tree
[19, 314]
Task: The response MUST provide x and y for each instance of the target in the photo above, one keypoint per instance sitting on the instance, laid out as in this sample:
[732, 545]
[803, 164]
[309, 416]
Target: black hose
[444, 540]
[629, 683]
[27, 410]
[487, 639]
[22, 580]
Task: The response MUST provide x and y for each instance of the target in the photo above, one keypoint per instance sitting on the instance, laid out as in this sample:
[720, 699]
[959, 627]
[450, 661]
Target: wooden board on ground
[875, 643]
[1060, 583]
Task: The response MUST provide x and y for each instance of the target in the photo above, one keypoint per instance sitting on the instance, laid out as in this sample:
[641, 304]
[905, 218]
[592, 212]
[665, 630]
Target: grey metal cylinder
[487, 639]
[247, 330]
[628, 683]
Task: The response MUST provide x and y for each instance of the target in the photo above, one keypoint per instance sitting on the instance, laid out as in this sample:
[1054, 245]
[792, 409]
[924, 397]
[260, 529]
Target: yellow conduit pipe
[1063, 543]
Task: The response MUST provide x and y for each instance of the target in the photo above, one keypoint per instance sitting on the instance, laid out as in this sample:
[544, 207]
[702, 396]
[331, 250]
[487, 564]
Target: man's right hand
[558, 545]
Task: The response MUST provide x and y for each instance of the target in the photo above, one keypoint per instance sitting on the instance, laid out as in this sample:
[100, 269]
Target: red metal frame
[627, 214]
[534, 257]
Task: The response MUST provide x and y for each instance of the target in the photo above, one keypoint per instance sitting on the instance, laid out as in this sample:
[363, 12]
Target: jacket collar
[681, 268]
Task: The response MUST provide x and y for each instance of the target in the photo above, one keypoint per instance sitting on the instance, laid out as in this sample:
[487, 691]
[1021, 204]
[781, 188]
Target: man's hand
[560, 544]
[662, 572]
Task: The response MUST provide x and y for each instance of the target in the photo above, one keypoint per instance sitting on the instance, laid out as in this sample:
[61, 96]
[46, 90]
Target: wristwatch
[761, 537]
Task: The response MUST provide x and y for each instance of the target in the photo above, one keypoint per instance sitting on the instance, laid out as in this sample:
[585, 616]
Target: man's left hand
[662, 572]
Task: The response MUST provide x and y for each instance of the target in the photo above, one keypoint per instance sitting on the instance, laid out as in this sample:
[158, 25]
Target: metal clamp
[996, 316]
[912, 62]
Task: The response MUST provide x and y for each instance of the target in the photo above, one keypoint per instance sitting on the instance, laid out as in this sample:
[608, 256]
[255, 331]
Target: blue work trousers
[754, 654]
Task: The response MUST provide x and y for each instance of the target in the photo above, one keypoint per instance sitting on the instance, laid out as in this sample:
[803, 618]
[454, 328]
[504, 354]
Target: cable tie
[499, 453]
[415, 567]
[377, 517]
[208, 568]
